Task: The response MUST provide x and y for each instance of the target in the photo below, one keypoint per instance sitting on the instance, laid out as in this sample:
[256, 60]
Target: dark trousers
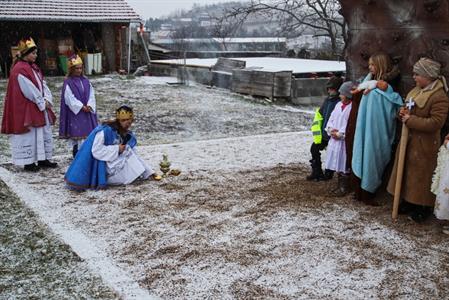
[316, 149]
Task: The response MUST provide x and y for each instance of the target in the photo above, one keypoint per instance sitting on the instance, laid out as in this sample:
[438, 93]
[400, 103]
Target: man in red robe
[27, 114]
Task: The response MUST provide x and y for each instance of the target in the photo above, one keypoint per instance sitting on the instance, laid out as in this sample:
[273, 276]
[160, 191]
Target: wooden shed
[63, 27]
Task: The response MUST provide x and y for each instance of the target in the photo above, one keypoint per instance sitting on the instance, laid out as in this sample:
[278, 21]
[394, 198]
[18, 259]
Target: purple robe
[78, 126]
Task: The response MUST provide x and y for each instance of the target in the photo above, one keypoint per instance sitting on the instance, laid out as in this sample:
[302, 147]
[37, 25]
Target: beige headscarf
[429, 68]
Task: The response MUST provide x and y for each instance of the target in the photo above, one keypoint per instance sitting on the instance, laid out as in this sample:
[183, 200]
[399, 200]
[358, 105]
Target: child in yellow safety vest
[320, 136]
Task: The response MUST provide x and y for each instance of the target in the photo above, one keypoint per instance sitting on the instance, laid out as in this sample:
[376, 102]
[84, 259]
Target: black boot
[420, 213]
[317, 172]
[47, 164]
[75, 150]
[328, 174]
[31, 168]
[405, 207]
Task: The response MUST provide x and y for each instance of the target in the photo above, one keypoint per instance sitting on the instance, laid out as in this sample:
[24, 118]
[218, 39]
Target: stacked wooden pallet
[262, 83]
[222, 71]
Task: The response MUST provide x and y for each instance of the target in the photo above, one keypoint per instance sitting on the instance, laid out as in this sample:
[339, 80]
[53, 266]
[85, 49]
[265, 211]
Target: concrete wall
[163, 70]
[222, 79]
[201, 75]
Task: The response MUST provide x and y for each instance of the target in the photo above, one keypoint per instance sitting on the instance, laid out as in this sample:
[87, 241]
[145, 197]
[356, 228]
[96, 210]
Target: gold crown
[124, 115]
[24, 45]
[74, 61]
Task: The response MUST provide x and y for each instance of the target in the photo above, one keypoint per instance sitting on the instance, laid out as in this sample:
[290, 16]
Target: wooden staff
[400, 171]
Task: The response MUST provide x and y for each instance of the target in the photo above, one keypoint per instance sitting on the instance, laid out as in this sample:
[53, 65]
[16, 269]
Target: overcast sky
[157, 8]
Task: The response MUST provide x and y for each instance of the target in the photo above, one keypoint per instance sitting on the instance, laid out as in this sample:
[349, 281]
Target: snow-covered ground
[240, 222]
[168, 114]
[270, 64]
[36, 264]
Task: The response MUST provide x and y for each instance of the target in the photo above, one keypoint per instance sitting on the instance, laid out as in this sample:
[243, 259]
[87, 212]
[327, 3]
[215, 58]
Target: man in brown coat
[424, 115]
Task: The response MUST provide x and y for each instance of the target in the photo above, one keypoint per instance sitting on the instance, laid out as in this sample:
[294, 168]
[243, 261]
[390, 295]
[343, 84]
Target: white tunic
[76, 105]
[440, 185]
[122, 168]
[37, 144]
[336, 149]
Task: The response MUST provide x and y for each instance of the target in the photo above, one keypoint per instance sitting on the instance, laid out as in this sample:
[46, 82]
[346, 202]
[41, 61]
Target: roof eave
[72, 20]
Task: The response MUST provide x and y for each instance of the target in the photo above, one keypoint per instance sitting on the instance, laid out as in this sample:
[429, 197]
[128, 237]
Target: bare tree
[295, 16]
[224, 29]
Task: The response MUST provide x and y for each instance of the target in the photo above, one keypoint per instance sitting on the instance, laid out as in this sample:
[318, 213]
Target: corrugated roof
[67, 10]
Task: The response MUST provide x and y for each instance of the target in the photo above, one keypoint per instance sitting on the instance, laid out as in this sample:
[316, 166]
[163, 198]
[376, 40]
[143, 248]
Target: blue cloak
[86, 172]
[374, 135]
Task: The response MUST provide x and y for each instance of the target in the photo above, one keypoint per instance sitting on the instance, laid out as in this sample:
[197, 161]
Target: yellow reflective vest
[316, 127]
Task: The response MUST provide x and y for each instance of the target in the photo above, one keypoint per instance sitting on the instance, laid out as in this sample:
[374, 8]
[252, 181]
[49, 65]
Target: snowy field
[240, 222]
[270, 64]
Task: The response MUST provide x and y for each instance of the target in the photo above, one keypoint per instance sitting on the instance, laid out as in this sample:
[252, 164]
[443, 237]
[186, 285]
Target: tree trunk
[335, 51]
[404, 29]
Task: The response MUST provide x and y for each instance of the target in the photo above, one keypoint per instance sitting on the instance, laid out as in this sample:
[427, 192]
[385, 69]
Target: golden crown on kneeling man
[124, 115]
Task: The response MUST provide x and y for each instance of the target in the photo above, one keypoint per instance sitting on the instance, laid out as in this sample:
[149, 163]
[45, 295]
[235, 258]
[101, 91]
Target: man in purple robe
[78, 106]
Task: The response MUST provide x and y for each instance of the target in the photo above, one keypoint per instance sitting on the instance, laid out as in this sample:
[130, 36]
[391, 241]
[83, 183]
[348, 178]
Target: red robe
[19, 113]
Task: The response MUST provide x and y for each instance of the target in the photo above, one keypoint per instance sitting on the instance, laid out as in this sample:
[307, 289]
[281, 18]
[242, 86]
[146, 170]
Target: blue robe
[86, 172]
[374, 135]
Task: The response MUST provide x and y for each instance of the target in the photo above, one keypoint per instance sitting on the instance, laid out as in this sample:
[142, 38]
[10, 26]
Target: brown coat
[350, 128]
[424, 141]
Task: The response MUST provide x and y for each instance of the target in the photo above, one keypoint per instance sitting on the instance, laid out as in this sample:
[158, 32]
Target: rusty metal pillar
[404, 29]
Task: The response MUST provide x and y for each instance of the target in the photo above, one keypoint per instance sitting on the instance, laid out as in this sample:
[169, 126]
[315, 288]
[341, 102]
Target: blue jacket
[326, 110]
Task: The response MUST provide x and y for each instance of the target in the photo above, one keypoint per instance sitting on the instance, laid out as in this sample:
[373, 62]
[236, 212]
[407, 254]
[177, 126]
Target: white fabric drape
[440, 185]
[122, 168]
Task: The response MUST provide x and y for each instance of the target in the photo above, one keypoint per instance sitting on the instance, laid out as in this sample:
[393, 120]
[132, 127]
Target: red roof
[67, 10]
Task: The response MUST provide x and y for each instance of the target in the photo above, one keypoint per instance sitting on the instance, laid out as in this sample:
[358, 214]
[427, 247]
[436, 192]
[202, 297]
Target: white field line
[85, 248]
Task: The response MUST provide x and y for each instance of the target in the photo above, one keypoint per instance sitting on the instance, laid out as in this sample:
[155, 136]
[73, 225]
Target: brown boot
[342, 186]
[369, 199]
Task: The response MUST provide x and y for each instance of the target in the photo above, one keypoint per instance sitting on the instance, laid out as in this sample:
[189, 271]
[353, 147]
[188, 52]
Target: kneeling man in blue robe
[108, 156]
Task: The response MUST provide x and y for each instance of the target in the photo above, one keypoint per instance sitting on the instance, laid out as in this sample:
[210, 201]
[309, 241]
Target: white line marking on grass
[118, 279]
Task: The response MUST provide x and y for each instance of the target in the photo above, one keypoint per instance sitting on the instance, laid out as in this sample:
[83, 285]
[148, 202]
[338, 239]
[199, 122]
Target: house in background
[61, 28]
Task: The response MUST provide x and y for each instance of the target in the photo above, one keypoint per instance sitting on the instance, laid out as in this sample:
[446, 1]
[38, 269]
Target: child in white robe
[440, 186]
[336, 149]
